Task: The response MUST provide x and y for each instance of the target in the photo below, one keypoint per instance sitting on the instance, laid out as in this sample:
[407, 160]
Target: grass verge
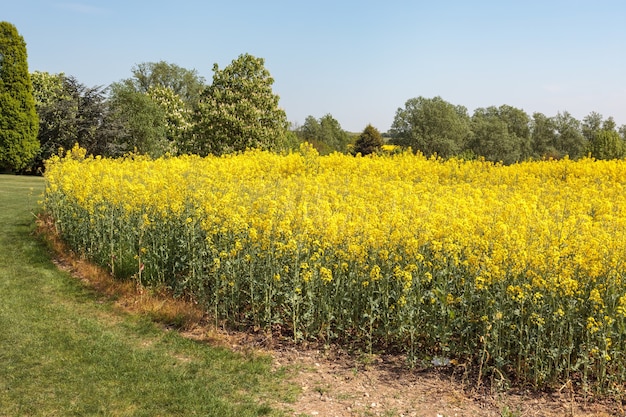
[66, 351]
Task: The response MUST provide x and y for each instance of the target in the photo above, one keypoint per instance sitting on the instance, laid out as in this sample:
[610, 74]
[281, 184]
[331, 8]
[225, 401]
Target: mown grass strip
[63, 351]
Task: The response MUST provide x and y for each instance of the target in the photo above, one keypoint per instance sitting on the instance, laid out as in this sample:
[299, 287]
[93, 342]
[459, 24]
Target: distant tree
[369, 141]
[569, 137]
[56, 110]
[178, 117]
[325, 134]
[18, 117]
[431, 125]
[144, 121]
[543, 136]
[607, 144]
[97, 128]
[603, 141]
[592, 124]
[500, 134]
[622, 131]
[174, 92]
[184, 83]
[69, 113]
[292, 141]
[239, 110]
[609, 124]
[47, 88]
[310, 131]
[518, 125]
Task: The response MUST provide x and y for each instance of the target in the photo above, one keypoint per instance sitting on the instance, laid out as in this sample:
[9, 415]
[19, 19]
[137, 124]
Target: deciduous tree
[144, 121]
[592, 123]
[607, 144]
[569, 137]
[184, 83]
[543, 136]
[432, 126]
[500, 134]
[239, 110]
[325, 134]
[168, 94]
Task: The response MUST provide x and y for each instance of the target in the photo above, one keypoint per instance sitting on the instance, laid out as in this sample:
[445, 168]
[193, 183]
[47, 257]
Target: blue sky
[357, 60]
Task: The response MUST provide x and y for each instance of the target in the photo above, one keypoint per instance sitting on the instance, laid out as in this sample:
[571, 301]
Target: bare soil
[334, 383]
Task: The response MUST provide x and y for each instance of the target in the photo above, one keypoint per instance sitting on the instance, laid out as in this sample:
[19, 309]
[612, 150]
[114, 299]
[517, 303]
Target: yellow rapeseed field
[515, 270]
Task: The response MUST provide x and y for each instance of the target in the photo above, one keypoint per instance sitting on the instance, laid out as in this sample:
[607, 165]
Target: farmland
[513, 270]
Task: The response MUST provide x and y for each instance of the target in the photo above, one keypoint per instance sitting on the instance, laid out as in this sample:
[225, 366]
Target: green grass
[66, 352]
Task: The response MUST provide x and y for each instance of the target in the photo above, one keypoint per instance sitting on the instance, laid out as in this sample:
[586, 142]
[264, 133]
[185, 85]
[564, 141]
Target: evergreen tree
[18, 119]
[69, 113]
[370, 141]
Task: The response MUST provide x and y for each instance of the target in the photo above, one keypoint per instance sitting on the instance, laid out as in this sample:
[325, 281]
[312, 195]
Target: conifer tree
[18, 119]
[369, 141]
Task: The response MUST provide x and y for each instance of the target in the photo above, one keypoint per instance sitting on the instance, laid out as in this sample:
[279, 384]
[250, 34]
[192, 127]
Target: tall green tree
[607, 144]
[432, 126]
[168, 95]
[325, 134]
[543, 136]
[144, 121]
[591, 125]
[310, 131]
[57, 111]
[18, 118]
[239, 110]
[518, 125]
[369, 141]
[622, 131]
[500, 134]
[609, 124]
[178, 116]
[603, 140]
[569, 139]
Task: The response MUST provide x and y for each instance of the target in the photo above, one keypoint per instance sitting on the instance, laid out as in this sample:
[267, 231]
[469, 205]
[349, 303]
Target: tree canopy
[325, 134]
[156, 107]
[500, 134]
[70, 113]
[184, 83]
[431, 126]
[144, 121]
[239, 110]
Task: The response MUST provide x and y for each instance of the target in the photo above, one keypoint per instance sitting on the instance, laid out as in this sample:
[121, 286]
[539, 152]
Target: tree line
[503, 134]
[166, 109]
[163, 109]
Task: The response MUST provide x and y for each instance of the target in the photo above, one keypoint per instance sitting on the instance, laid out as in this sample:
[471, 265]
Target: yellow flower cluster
[400, 249]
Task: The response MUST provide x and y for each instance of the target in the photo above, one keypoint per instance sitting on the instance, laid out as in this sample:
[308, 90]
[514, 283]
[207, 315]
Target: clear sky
[357, 60]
